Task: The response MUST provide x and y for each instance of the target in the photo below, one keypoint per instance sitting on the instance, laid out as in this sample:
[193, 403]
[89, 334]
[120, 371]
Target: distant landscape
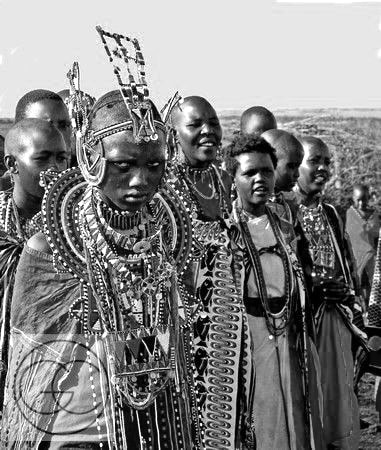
[354, 136]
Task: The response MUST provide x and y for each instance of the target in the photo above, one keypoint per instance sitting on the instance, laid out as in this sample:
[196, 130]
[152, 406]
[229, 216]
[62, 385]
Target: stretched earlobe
[11, 164]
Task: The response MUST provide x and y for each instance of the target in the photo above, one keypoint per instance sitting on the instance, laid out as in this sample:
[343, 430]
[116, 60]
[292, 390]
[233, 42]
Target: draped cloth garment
[335, 334]
[283, 399]
[363, 236]
[45, 369]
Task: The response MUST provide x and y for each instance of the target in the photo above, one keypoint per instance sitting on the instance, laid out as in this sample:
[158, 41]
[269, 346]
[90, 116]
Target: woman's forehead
[317, 150]
[123, 145]
[197, 110]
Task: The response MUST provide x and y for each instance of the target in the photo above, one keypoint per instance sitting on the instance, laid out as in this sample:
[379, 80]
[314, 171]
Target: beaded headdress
[129, 68]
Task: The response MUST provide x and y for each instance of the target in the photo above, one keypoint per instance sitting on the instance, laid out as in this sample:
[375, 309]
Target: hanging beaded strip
[286, 314]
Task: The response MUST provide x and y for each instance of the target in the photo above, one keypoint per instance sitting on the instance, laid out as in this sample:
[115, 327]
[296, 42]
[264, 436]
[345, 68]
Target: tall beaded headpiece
[129, 68]
[128, 64]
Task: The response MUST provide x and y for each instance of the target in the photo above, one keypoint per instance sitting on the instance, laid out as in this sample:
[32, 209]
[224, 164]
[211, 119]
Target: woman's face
[133, 171]
[198, 131]
[254, 179]
[315, 168]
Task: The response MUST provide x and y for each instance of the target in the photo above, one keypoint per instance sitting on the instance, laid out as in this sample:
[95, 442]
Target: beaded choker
[121, 220]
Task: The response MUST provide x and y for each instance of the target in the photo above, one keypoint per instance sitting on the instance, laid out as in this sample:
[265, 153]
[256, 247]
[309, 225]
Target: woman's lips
[320, 179]
[135, 197]
[260, 191]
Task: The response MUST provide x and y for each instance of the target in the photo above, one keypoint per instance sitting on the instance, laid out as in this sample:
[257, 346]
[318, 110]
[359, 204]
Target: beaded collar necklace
[195, 175]
[276, 323]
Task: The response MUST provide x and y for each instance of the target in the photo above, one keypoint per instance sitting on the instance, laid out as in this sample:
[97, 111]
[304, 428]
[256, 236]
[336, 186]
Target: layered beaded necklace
[131, 278]
[138, 268]
[191, 177]
[277, 323]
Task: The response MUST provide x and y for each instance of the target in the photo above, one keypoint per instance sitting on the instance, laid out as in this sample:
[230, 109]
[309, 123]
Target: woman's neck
[309, 199]
[255, 210]
[27, 204]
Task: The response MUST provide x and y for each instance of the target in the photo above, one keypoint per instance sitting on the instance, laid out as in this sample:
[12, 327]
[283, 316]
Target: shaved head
[257, 120]
[31, 147]
[192, 101]
[290, 156]
[283, 142]
[309, 142]
[197, 131]
[25, 131]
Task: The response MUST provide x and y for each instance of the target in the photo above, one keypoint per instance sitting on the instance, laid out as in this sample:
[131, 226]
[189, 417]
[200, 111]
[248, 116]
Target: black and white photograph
[190, 216]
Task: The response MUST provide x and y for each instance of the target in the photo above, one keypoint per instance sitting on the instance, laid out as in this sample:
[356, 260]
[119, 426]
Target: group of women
[160, 307]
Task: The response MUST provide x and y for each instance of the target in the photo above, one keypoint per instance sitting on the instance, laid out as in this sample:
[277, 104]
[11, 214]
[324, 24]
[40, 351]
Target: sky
[236, 53]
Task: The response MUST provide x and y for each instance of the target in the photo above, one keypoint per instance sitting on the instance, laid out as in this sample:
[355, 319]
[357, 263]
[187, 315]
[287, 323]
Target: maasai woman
[100, 329]
[214, 279]
[286, 395]
[32, 146]
[363, 225]
[333, 296]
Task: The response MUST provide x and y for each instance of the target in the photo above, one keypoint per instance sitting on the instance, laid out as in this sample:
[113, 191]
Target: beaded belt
[254, 305]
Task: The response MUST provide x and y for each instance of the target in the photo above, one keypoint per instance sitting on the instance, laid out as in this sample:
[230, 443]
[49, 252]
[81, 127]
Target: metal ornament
[90, 158]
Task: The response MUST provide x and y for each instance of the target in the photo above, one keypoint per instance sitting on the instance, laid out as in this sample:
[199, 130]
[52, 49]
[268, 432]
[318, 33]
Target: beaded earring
[233, 192]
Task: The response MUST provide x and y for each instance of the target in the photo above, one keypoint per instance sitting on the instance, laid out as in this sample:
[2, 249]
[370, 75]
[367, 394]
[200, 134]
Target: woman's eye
[154, 164]
[122, 165]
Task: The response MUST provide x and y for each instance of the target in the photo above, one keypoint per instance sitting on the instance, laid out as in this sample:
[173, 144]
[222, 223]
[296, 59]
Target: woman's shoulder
[39, 243]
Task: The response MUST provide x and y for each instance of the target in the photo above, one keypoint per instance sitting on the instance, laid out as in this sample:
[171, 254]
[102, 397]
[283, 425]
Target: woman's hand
[333, 290]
